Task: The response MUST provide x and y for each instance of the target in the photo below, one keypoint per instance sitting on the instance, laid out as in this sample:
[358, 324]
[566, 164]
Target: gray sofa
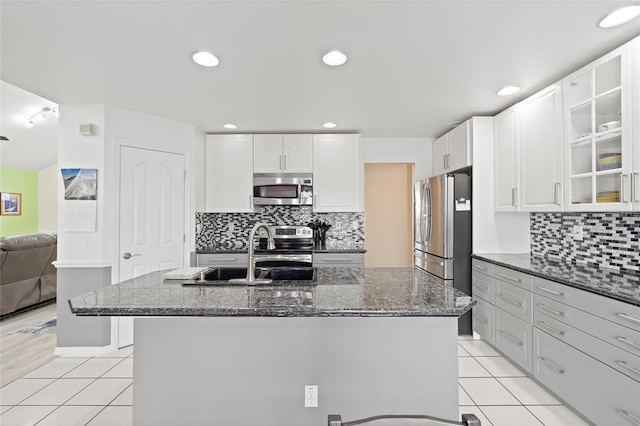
[27, 275]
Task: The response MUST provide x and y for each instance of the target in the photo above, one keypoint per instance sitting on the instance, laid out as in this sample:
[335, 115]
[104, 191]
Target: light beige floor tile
[110, 416]
[21, 389]
[24, 416]
[125, 398]
[93, 368]
[556, 415]
[57, 392]
[474, 410]
[4, 408]
[463, 398]
[100, 392]
[478, 348]
[487, 391]
[469, 367]
[120, 353]
[527, 391]
[462, 352]
[124, 369]
[510, 416]
[71, 416]
[56, 368]
[499, 366]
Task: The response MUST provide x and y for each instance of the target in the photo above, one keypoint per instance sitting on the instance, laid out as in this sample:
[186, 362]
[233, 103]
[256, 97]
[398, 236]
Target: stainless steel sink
[277, 275]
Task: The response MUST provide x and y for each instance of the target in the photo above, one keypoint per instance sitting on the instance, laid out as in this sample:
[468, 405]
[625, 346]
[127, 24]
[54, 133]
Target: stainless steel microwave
[282, 189]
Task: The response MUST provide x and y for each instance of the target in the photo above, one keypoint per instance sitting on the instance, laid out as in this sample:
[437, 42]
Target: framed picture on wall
[10, 203]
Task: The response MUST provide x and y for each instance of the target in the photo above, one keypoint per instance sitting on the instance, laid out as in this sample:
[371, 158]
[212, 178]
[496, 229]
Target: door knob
[128, 255]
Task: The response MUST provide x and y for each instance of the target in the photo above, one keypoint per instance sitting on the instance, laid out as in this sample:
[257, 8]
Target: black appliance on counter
[294, 247]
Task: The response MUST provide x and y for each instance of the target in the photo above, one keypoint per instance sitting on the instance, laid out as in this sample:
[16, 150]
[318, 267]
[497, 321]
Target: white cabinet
[598, 134]
[277, 153]
[505, 161]
[337, 173]
[229, 173]
[337, 260]
[540, 150]
[222, 259]
[452, 151]
[635, 129]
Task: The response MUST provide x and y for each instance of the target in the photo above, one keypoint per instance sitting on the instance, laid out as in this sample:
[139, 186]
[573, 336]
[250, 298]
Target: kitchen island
[374, 341]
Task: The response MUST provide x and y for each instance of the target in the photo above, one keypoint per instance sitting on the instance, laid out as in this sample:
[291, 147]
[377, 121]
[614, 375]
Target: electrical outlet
[310, 396]
[355, 225]
[577, 232]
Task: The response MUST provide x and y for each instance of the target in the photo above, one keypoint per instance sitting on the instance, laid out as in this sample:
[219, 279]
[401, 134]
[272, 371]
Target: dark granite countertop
[338, 292]
[223, 250]
[606, 282]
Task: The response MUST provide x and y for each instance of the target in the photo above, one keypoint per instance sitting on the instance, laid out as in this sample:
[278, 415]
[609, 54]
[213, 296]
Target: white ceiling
[414, 66]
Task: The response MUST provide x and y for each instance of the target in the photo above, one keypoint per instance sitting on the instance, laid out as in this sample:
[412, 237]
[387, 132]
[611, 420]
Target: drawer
[513, 338]
[514, 277]
[483, 286]
[599, 393]
[483, 267]
[613, 310]
[615, 334]
[484, 320]
[514, 300]
[613, 356]
[338, 259]
[225, 259]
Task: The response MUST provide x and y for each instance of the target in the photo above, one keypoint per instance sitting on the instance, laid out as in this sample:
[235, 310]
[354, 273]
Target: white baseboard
[86, 351]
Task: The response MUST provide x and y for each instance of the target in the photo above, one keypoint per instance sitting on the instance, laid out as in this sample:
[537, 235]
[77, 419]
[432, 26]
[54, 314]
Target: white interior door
[151, 217]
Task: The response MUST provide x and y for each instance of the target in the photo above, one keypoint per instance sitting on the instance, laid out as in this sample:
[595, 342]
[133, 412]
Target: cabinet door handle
[556, 194]
[635, 187]
[628, 317]
[517, 280]
[482, 268]
[485, 289]
[510, 337]
[629, 417]
[284, 162]
[628, 367]
[549, 328]
[551, 365]
[628, 342]
[548, 290]
[511, 301]
[514, 196]
[482, 320]
[623, 188]
[548, 309]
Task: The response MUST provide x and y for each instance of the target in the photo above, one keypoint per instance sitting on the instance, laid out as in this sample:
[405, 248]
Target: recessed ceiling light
[329, 125]
[205, 59]
[508, 90]
[334, 58]
[229, 126]
[620, 16]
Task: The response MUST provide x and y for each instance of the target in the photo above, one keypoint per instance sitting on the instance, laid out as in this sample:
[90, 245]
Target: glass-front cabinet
[598, 123]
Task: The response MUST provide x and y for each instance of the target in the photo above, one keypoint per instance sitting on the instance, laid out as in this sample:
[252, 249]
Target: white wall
[48, 199]
[400, 150]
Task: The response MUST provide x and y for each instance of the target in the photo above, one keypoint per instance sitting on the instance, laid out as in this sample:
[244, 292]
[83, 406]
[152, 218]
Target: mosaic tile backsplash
[610, 240]
[231, 230]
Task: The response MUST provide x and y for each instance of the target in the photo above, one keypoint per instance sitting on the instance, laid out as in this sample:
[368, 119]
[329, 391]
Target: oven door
[279, 260]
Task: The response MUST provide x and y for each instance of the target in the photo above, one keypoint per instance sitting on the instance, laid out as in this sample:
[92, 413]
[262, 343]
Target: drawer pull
[548, 309]
[337, 260]
[510, 337]
[518, 280]
[485, 289]
[551, 329]
[628, 317]
[628, 342]
[628, 367]
[551, 365]
[211, 261]
[629, 417]
[482, 268]
[506, 299]
[482, 320]
[548, 290]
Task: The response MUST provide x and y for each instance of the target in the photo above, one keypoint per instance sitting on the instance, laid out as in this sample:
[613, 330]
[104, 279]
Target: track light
[42, 115]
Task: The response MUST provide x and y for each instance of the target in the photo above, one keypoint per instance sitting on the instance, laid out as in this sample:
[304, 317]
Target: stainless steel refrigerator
[442, 240]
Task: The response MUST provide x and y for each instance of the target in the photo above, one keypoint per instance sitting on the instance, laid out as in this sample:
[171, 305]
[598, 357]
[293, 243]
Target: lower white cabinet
[513, 338]
[337, 260]
[483, 321]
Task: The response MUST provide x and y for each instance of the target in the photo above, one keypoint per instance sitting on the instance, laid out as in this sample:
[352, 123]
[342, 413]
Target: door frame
[118, 144]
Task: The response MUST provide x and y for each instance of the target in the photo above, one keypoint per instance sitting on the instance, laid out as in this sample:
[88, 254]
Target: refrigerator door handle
[428, 214]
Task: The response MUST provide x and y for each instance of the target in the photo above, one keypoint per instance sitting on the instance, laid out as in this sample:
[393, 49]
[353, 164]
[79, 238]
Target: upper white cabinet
[540, 150]
[598, 132]
[635, 129]
[505, 161]
[229, 173]
[452, 151]
[337, 173]
[288, 153]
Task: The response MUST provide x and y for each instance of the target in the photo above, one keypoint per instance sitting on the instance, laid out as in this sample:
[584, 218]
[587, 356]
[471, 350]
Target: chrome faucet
[251, 266]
